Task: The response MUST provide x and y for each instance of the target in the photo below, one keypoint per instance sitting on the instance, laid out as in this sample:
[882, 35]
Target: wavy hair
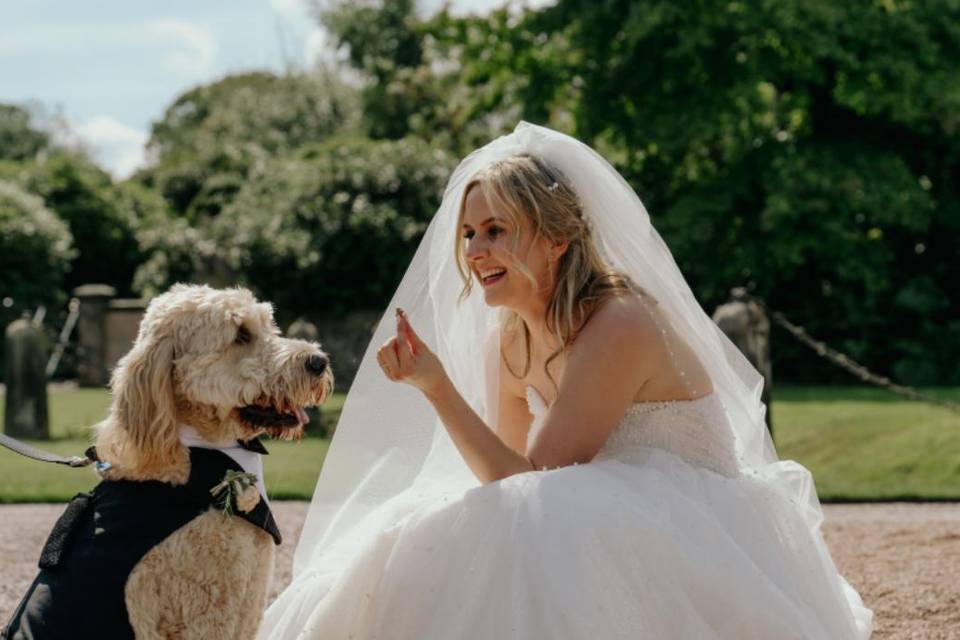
[525, 187]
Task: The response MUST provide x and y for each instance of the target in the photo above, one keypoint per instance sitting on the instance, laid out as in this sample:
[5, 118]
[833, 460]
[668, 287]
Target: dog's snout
[317, 364]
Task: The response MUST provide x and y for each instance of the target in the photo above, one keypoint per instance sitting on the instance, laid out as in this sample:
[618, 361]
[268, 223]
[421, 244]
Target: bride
[577, 451]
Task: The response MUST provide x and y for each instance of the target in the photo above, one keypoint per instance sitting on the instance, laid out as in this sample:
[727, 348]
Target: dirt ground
[904, 559]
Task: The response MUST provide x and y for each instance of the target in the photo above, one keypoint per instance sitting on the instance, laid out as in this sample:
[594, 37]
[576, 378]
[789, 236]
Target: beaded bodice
[695, 430]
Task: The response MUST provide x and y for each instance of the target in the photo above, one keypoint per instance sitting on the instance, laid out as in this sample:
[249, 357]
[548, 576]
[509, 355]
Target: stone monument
[745, 322]
[25, 405]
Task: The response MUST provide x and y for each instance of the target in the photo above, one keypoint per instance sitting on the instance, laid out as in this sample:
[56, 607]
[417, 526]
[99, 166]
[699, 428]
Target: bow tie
[253, 445]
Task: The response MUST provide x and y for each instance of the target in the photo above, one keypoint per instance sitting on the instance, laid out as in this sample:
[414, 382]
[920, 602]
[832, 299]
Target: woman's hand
[405, 358]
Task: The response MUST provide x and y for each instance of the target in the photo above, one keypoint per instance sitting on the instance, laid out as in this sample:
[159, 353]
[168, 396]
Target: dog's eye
[243, 336]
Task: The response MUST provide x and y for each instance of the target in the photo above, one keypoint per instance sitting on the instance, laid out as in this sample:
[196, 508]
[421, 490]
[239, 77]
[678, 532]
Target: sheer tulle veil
[390, 450]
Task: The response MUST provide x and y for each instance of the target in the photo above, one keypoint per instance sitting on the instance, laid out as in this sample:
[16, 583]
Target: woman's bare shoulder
[624, 317]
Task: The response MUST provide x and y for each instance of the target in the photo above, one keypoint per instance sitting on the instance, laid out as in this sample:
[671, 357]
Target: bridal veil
[390, 449]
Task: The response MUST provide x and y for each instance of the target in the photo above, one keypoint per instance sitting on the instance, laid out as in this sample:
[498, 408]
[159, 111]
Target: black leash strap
[45, 456]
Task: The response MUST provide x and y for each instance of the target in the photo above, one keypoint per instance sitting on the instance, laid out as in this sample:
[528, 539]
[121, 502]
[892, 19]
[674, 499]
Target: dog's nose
[317, 364]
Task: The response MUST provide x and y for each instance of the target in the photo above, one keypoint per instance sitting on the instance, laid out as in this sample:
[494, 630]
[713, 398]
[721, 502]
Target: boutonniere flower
[237, 489]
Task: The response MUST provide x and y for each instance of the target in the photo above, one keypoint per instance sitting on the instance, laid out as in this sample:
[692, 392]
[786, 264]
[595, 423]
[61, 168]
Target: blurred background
[806, 151]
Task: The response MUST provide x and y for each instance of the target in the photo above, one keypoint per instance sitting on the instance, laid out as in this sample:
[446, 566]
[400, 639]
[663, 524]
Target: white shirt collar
[249, 461]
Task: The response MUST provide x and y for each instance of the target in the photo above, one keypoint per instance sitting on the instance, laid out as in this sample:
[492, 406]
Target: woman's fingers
[404, 356]
[388, 358]
[404, 327]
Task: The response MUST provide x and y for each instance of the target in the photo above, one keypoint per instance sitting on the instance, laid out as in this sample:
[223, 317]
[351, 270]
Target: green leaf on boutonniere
[234, 483]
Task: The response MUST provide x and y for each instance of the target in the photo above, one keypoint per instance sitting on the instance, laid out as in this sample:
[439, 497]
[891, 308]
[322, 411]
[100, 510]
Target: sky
[111, 67]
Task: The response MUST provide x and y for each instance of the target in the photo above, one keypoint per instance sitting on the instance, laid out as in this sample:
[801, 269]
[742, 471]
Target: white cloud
[300, 27]
[197, 45]
[114, 145]
[468, 7]
[292, 9]
[187, 47]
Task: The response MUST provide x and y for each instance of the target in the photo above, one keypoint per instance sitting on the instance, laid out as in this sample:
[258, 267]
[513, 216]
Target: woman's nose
[476, 248]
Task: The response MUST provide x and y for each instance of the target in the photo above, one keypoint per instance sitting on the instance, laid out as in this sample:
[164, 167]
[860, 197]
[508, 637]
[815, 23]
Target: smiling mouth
[491, 276]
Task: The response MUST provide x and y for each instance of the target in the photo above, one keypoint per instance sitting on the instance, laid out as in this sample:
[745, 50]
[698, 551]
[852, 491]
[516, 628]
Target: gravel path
[904, 559]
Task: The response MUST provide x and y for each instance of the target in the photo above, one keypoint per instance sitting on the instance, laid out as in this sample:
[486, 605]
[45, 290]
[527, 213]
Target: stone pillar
[93, 368]
[746, 324]
[121, 324]
[25, 407]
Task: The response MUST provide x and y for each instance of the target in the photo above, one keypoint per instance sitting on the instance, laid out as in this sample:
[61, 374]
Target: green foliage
[82, 195]
[380, 41]
[805, 149]
[35, 253]
[802, 148]
[19, 140]
[213, 135]
[455, 81]
[333, 227]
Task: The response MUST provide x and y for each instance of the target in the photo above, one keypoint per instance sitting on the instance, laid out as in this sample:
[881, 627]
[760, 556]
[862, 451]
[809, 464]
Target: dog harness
[100, 538]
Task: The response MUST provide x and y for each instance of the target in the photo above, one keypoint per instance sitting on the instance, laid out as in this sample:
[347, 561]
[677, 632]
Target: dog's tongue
[302, 416]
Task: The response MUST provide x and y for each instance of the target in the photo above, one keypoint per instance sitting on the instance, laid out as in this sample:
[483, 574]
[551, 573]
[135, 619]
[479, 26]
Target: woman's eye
[492, 232]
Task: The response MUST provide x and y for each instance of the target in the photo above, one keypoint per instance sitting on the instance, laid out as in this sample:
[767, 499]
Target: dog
[152, 552]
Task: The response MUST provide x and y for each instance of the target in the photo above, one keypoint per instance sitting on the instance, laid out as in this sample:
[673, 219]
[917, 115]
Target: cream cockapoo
[213, 360]
[208, 368]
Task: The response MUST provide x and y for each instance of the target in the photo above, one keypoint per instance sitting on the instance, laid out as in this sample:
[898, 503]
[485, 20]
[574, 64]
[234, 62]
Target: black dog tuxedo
[101, 537]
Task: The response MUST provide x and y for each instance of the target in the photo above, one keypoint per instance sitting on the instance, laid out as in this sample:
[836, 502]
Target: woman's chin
[493, 298]
[492, 301]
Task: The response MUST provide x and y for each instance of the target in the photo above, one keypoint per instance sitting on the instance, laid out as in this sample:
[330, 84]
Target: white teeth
[486, 273]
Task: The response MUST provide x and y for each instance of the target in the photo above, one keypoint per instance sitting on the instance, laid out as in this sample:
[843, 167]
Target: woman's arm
[615, 354]
[487, 455]
[405, 358]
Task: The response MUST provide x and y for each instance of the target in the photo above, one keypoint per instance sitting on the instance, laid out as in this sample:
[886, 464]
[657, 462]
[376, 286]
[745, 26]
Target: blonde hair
[525, 187]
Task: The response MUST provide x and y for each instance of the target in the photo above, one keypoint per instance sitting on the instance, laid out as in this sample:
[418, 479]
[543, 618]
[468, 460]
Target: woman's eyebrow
[490, 219]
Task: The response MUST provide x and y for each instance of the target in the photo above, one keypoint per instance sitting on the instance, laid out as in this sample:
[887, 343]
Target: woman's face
[489, 252]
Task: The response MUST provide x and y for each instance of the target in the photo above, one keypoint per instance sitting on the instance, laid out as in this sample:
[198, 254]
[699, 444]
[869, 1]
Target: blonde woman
[574, 449]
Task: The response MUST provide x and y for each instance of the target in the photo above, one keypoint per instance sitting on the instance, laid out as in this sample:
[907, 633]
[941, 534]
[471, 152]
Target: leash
[89, 456]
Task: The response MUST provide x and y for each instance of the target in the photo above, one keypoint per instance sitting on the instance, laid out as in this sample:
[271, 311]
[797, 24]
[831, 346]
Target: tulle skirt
[651, 548]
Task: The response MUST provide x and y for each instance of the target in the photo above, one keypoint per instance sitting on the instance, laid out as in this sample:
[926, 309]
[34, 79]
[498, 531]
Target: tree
[214, 135]
[83, 196]
[807, 149]
[332, 227]
[35, 253]
[19, 139]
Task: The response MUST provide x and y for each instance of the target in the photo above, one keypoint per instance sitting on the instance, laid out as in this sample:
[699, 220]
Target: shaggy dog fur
[214, 360]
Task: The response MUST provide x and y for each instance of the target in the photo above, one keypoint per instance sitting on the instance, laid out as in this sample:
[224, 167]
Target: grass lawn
[291, 469]
[865, 443]
[860, 443]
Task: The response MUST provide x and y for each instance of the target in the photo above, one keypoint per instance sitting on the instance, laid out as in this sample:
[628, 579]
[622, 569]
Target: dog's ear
[144, 404]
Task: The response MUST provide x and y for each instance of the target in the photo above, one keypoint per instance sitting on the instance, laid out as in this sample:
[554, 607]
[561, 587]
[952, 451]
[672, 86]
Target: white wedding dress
[659, 537]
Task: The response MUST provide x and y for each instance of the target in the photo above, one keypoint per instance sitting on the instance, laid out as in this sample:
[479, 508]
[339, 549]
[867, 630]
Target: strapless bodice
[697, 431]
